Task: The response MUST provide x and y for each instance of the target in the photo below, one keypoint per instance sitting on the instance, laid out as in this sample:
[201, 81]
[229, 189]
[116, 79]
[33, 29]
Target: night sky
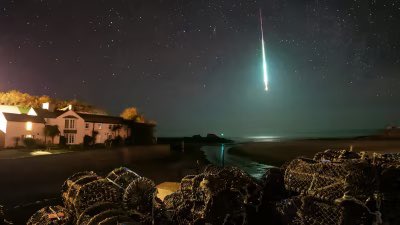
[195, 66]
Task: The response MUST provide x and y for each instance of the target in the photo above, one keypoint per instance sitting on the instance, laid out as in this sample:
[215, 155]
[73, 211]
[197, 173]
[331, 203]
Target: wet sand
[278, 152]
[27, 184]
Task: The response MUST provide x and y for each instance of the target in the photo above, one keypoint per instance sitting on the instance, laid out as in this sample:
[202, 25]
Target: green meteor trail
[265, 65]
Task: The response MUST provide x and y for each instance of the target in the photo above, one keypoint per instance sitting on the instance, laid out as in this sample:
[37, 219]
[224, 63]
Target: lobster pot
[217, 196]
[188, 185]
[390, 190]
[84, 189]
[54, 215]
[139, 196]
[122, 176]
[386, 158]
[104, 213]
[390, 211]
[390, 181]
[389, 174]
[330, 180]
[344, 212]
[335, 155]
[286, 210]
[2, 219]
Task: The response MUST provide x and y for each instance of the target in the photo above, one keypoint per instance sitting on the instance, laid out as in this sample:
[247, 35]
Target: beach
[276, 153]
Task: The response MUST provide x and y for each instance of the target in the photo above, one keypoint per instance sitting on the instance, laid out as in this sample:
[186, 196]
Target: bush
[117, 141]
[30, 142]
[87, 141]
[128, 141]
[99, 145]
[63, 141]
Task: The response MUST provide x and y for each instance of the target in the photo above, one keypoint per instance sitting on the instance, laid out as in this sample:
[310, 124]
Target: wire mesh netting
[307, 210]
[51, 215]
[389, 186]
[216, 196]
[329, 181]
[103, 213]
[122, 176]
[84, 189]
[338, 155]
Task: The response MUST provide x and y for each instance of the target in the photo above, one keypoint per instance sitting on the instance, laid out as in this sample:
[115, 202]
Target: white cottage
[72, 125]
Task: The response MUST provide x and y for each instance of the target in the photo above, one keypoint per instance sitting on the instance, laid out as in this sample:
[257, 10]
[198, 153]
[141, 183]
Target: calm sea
[282, 136]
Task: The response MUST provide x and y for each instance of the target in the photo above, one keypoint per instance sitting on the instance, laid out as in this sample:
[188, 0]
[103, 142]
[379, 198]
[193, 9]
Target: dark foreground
[27, 184]
[334, 187]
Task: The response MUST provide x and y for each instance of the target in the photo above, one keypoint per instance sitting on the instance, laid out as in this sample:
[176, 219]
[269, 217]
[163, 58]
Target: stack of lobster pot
[51, 215]
[93, 200]
[138, 196]
[104, 213]
[216, 196]
[84, 189]
[336, 187]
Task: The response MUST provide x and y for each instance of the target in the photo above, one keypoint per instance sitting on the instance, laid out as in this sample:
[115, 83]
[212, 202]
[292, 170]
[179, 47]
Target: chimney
[48, 106]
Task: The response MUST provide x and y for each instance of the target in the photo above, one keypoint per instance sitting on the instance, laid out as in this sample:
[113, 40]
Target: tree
[87, 140]
[116, 129]
[140, 119]
[94, 136]
[18, 98]
[51, 131]
[17, 139]
[129, 113]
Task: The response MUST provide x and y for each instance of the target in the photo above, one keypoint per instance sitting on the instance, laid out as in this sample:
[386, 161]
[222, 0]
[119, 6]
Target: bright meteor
[265, 65]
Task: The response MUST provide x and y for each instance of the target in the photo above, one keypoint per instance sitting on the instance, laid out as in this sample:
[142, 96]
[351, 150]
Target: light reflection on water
[219, 155]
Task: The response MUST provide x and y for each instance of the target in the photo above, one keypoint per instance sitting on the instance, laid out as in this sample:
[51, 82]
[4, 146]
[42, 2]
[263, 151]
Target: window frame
[70, 137]
[70, 123]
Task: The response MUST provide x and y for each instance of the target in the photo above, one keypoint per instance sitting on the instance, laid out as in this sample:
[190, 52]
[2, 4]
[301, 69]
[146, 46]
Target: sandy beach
[278, 152]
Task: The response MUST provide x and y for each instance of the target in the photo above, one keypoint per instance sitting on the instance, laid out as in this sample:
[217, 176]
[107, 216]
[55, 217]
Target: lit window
[29, 125]
[28, 136]
[46, 105]
[100, 125]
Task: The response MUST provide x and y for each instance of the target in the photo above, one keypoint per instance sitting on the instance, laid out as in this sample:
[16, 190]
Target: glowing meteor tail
[265, 66]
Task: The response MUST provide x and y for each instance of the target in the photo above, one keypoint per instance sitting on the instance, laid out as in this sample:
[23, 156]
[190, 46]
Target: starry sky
[195, 66]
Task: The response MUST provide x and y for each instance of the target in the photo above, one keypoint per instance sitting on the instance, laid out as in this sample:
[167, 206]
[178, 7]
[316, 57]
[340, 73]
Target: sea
[314, 134]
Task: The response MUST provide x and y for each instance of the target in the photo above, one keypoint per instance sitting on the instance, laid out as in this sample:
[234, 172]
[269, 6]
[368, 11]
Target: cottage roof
[10, 109]
[44, 113]
[23, 118]
[94, 118]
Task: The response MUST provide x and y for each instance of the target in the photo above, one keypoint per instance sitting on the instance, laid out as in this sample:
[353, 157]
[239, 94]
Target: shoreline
[276, 153]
